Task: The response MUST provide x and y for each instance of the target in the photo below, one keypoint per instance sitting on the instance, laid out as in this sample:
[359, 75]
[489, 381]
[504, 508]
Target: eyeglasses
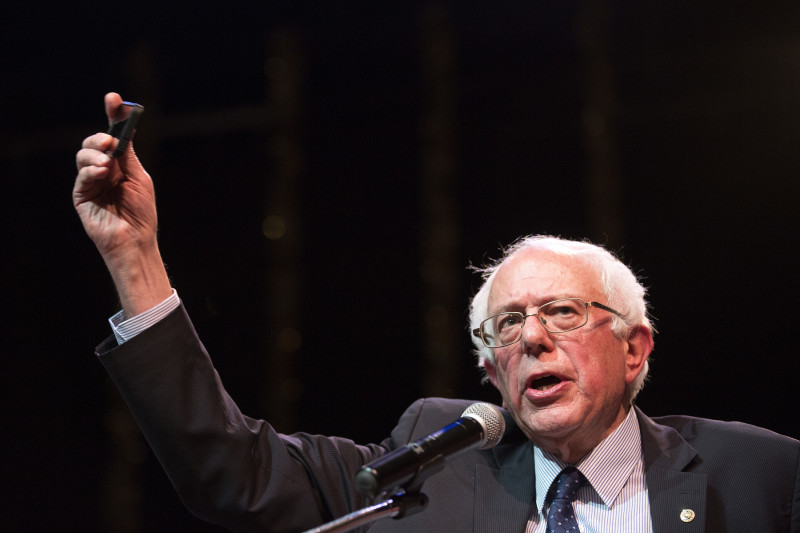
[557, 316]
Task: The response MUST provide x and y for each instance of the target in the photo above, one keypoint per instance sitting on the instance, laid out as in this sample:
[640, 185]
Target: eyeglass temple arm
[477, 333]
[605, 307]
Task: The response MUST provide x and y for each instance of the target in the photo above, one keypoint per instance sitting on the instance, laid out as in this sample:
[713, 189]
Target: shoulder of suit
[429, 414]
[446, 409]
[697, 430]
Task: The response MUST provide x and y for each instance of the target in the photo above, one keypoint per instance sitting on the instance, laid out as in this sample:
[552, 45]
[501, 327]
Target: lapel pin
[687, 515]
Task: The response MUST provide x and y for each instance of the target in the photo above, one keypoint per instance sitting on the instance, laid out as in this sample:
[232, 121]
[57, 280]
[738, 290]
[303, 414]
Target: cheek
[506, 368]
[605, 375]
[502, 360]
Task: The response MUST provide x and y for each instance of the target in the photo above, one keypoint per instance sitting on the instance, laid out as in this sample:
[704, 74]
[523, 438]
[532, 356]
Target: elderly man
[561, 330]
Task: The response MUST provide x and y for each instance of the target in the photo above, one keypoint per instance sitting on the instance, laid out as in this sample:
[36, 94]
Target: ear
[640, 344]
[491, 372]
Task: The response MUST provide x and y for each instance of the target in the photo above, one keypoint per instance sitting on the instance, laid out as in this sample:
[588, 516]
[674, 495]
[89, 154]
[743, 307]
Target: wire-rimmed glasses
[557, 316]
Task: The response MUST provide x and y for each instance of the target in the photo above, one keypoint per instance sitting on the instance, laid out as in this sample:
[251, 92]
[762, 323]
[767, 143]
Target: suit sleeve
[227, 468]
[796, 498]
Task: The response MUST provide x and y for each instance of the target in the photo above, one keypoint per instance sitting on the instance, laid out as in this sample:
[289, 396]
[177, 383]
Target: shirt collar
[607, 467]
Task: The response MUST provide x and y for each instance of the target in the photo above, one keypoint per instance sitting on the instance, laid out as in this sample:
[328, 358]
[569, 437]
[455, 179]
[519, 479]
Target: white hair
[622, 290]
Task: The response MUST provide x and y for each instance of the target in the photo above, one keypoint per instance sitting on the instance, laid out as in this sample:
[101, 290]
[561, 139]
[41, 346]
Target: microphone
[480, 426]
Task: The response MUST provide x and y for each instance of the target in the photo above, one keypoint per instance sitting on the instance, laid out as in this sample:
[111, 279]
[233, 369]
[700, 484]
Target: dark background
[401, 143]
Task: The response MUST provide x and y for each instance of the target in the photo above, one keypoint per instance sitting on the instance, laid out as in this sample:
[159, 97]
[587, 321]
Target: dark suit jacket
[235, 471]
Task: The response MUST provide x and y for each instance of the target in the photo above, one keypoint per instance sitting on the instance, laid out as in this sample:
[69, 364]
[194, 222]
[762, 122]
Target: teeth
[545, 387]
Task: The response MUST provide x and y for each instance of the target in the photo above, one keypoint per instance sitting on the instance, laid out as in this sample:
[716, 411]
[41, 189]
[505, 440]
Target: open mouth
[544, 383]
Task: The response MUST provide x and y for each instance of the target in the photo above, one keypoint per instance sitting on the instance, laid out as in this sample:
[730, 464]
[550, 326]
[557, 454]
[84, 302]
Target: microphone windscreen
[488, 416]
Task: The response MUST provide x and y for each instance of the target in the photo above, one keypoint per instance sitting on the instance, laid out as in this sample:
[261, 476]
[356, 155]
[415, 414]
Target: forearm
[140, 278]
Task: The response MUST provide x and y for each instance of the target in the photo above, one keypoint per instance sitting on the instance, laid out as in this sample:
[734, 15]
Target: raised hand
[115, 200]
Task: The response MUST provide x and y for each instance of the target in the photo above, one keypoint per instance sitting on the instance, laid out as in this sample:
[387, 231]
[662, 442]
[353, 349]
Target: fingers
[89, 174]
[92, 160]
[87, 157]
[93, 151]
[93, 167]
[98, 141]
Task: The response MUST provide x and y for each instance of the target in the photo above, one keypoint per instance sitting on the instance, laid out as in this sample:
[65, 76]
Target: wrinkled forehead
[540, 275]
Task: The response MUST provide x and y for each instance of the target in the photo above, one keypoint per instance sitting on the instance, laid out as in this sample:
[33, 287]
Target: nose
[535, 338]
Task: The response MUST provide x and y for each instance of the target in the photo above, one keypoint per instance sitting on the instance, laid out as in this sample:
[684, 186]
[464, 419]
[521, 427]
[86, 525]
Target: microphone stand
[397, 506]
[406, 501]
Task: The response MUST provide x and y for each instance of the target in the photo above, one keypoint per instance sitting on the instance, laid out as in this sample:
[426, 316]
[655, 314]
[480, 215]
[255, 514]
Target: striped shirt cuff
[126, 329]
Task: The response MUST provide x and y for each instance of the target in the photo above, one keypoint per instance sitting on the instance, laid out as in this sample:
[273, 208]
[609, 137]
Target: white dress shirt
[615, 497]
[127, 328]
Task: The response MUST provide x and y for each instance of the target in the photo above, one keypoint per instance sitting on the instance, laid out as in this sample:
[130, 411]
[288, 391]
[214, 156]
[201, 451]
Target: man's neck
[574, 447]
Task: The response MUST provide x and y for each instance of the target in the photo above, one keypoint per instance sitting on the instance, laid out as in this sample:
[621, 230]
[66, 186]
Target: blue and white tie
[561, 515]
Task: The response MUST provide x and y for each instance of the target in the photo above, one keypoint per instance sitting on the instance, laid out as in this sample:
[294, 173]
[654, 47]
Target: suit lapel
[504, 491]
[677, 496]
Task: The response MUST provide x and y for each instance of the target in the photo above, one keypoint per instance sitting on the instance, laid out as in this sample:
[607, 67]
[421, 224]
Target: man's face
[567, 391]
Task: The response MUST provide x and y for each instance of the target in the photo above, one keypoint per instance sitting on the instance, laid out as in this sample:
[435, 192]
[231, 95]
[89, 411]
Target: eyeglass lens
[557, 316]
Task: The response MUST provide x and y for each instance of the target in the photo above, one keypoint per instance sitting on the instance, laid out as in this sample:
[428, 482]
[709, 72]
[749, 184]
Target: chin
[552, 422]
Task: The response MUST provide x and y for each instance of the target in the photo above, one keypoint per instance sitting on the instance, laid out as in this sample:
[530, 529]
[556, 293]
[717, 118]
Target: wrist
[140, 279]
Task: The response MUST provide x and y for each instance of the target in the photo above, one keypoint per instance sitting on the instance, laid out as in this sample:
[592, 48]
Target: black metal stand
[396, 506]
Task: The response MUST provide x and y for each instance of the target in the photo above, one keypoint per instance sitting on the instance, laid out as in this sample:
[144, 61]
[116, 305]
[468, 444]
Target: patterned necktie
[561, 515]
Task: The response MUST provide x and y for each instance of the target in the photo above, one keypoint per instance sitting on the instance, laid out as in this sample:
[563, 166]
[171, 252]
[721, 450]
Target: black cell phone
[123, 124]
